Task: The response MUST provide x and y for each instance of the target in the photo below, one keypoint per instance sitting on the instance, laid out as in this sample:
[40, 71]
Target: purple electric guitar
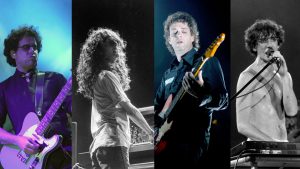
[11, 157]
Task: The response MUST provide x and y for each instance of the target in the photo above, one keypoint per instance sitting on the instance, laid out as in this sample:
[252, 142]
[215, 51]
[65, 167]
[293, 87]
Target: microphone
[269, 52]
[277, 60]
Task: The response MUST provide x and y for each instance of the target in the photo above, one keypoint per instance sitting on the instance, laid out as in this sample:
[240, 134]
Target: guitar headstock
[211, 50]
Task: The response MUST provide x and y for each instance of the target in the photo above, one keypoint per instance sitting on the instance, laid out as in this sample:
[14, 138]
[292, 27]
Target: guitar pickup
[24, 157]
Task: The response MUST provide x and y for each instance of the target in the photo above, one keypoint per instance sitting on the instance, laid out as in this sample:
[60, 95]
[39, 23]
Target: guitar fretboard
[54, 107]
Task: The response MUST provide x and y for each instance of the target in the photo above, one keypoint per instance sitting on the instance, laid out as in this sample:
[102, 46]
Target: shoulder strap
[39, 93]
[261, 80]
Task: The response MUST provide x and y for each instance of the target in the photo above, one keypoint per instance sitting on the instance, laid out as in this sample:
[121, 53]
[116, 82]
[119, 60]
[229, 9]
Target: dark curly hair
[12, 41]
[261, 31]
[92, 62]
[184, 18]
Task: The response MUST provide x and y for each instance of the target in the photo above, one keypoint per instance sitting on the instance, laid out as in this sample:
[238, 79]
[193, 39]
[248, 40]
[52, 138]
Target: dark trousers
[59, 159]
[111, 158]
[179, 155]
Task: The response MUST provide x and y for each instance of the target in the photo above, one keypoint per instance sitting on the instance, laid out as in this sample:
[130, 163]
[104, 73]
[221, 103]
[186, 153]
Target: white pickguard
[163, 129]
[11, 157]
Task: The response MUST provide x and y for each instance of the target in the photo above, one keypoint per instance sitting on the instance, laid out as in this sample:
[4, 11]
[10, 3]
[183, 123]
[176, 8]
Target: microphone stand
[251, 80]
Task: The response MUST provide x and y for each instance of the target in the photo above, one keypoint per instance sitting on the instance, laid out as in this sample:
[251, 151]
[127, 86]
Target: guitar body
[161, 143]
[11, 157]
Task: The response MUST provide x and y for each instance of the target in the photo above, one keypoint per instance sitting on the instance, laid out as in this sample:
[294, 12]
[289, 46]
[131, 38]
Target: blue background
[53, 20]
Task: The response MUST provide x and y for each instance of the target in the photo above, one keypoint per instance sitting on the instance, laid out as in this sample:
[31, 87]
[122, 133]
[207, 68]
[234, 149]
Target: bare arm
[136, 116]
[24, 143]
[111, 84]
[288, 96]
[7, 138]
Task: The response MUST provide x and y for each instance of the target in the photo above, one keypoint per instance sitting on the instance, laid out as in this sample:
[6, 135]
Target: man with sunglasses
[261, 113]
[18, 97]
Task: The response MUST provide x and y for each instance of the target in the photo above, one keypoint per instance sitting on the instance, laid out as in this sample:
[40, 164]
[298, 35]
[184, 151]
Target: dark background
[212, 17]
[243, 14]
[133, 19]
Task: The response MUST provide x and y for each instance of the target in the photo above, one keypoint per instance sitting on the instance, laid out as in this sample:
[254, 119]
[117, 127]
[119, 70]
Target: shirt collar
[22, 74]
[188, 58]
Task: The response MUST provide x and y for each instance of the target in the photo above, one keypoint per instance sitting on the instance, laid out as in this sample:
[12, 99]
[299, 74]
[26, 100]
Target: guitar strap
[39, 93]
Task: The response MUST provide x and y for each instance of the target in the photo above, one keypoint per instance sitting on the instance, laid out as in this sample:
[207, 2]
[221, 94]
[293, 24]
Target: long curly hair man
[93, 60]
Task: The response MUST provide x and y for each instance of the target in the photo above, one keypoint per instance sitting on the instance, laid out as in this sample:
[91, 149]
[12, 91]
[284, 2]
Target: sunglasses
[28, 46]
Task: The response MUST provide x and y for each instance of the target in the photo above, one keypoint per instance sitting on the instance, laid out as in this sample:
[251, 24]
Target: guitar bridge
[34, 163]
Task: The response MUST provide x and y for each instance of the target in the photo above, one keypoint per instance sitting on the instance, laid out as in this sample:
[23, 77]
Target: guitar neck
[181, 91]
[53, 108]
[178, 96]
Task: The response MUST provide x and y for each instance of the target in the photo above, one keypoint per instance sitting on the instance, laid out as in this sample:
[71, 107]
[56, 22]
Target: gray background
[243, 14]
[133, 19]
